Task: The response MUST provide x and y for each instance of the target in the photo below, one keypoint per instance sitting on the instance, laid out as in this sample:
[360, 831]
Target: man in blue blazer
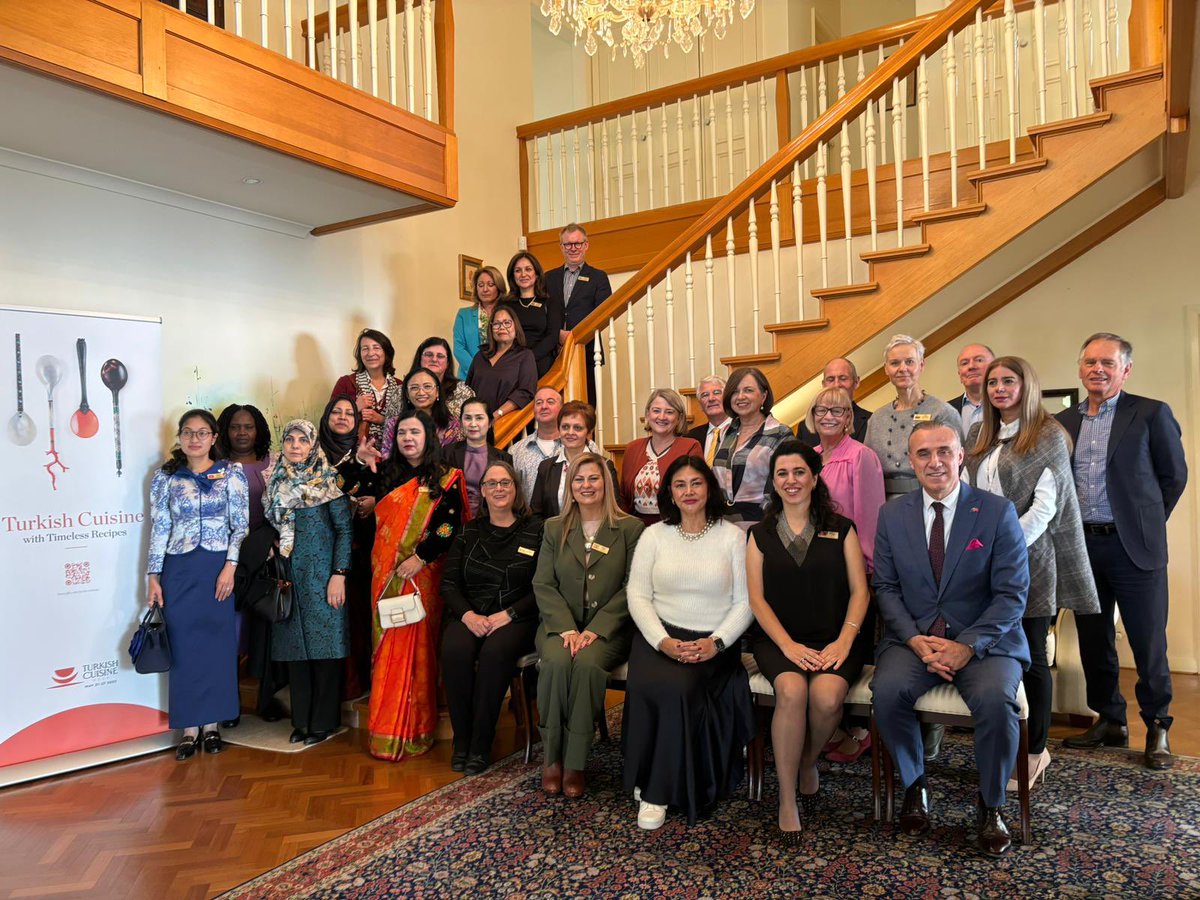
[1129, 472]
[579, 289]
[951, 581]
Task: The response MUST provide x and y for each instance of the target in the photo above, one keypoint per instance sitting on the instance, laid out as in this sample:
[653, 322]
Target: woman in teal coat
[313, 517]
[471, 324]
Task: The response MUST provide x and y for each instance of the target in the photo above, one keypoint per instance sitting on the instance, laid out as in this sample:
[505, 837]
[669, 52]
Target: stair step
[876, 256]
[1137, 76]
[962, 211]
[1008, 171]
[1066, 126]
[793, 327]
[845, 290]
[750, 359]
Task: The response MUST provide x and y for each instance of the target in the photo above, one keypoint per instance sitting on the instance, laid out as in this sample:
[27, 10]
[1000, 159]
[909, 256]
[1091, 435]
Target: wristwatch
[719, 644]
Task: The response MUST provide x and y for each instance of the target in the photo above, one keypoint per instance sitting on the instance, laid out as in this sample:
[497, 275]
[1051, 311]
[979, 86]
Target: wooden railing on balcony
[945, 66]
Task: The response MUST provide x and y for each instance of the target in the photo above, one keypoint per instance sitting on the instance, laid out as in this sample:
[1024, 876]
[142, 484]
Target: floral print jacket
[187, 510]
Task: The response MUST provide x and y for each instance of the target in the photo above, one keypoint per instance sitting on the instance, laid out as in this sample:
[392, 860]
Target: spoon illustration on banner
[50, 372]
[21, 430]
[83, 422]
[114, 375]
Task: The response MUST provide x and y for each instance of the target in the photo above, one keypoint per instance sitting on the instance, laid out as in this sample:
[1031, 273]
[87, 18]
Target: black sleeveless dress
[810, 600]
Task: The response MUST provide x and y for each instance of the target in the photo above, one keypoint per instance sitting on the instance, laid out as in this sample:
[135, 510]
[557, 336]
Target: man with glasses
[839, 373]
[580, 288]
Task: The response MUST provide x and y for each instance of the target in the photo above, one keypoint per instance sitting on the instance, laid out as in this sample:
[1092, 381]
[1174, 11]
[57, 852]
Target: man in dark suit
[1129, 472]
[839, 373]
[973, 361]
[951, 580]
[579, 288]
[710, 392]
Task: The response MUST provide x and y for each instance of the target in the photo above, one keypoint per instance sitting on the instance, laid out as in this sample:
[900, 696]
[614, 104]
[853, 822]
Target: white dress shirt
[1037, 518]
[948, 504]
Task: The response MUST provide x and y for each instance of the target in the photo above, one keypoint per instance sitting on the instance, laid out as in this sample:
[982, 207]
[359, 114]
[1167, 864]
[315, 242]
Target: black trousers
[1039, 683]
[1141, 595]
[316, 694]
[476, 673]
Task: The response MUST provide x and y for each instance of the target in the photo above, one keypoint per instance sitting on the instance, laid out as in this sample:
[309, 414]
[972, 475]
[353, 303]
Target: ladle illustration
[114, 375]
[21, 430]
[50, 371]
[83, 422]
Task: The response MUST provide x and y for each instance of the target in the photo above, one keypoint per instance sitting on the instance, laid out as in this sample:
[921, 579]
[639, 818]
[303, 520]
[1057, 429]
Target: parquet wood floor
[155, 828]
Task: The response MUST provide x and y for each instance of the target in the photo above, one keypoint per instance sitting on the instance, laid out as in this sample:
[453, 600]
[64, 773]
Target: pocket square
[975, 544]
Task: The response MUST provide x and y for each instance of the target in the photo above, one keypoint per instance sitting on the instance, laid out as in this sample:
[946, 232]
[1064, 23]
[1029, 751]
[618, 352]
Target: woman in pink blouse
[850, 469]
[852, 472]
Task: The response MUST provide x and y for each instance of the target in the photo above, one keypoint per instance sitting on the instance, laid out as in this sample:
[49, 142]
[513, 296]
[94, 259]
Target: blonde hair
[497, 279]
[570, 514]
[836, 396]
[673, 400]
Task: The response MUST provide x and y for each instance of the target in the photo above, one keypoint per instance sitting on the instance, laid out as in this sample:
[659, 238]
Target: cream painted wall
[254, 316]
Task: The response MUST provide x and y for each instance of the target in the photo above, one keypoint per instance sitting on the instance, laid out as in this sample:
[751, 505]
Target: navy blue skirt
[203, 684]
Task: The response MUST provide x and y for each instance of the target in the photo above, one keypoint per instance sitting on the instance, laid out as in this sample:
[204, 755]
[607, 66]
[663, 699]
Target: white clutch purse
[397, 608]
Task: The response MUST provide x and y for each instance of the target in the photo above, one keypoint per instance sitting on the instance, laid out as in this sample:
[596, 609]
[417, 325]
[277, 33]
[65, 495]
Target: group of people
[735, 529]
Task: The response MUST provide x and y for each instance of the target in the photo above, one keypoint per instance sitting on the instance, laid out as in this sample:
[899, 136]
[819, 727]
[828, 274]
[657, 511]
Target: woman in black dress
[491, 613]
[808, 591]
[540, 316]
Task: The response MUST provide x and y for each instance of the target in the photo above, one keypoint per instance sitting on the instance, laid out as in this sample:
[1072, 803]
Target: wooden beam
[1179, 27]
[443, 55]
[1057, 259]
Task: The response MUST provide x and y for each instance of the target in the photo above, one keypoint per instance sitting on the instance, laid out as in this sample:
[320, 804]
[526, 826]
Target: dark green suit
[574, 595]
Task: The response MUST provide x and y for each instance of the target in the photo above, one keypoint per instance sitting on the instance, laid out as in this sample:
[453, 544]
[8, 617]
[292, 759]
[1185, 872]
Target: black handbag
[149, 647]
[269, 593]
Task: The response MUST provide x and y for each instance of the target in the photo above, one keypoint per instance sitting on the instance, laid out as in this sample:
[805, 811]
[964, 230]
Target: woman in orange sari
[421, 509]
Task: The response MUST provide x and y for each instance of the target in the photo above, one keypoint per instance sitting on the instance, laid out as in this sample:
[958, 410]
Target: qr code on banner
[77, 573]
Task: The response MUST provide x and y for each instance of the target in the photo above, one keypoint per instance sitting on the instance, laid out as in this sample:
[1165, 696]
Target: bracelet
[341, 572]
[853, 625]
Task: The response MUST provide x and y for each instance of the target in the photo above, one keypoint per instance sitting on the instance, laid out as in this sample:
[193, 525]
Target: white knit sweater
[698, 585]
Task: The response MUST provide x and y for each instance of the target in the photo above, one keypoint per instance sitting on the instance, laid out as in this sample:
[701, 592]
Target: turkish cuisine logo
[93, 674]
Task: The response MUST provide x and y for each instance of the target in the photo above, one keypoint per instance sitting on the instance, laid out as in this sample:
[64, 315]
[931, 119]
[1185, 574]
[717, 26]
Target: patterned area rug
[1103, 827]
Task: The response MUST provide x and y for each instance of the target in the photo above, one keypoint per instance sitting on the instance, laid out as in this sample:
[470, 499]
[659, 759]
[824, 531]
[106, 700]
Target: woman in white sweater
[687, 704]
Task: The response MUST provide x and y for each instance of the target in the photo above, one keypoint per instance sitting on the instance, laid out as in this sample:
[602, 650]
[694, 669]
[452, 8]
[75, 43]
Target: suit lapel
[575, 542]
[914, 520]
[606, 537]
[1123, 416]
[1072, 421]
[966, 514]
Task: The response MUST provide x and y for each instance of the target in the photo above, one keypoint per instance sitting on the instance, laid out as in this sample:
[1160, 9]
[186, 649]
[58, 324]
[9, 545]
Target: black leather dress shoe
[477, 763]
[458, 760]
[297, 735]
[1158, 756]
[317, 737]
[1102, 734]
[273, 711]
[232, 723]
[187, 747]
[212, 742]
[931, 736]
[914, 813]
[991, 834]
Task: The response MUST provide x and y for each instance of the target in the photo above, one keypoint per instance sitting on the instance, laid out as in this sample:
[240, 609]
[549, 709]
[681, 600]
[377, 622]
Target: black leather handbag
[149, 648]
[269, 593]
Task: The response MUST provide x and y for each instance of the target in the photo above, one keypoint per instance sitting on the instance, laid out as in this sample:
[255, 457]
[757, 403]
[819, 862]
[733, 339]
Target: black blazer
[456, 454]
[861, 417]
[544, 501]
[591, 289]
[1145, 473]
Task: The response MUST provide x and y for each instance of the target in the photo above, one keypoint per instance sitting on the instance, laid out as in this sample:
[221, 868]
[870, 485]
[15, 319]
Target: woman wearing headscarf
[338, 437]
[312, 515]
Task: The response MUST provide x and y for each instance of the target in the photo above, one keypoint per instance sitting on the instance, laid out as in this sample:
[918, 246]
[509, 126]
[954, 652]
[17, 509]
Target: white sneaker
[651, 816]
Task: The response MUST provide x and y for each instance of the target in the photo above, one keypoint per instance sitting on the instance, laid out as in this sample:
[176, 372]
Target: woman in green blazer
[585, 629]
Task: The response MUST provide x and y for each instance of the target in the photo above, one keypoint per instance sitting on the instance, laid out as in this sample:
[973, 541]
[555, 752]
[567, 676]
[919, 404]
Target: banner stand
[85, 759]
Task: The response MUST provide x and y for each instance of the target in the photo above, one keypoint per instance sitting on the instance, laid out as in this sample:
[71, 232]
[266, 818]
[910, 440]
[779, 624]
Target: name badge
[599, 548]
[525, 551]
[829, 535]
[536, 304]
[215, 476]
[923, 417]
[583, 278]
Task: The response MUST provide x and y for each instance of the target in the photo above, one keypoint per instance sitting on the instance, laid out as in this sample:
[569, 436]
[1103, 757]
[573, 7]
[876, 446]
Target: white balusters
[666, 157]
[562, 175]
[393, 29]
[710, 303]
[679, 148]
[1067, 9]
[798, 229]
[212, 14]
[597, 363]
[649, 160]
[331, 40]
[310, 16]
[980, 89]
[427, 33]
[923, 130]
[898, 155]
[287, 30]
[883, 119]
[951, 65]
[729, 137]
[775, 266]
[689, 299]
[872, 193]
[670, 298]
[536, 183]
[237, 19]
[1011, 63]
[633, 153]
[848, 232]
[763, 151]
[611, 365]
[804, 110]
[1062, 57]
[620, 169]
[264, 30]
[697, 148]
[631, 346]
[862, 120]
[823, 214]
[745, 129]
[410, 60]
[822, 92]
[591, 171]
[353, 8]
[753, 226]
[1088, 32]
[730, 282]
[577, 211]
[1039, 57]
[604, 168]
[1113, 32]
[650, 329]
[712, 141]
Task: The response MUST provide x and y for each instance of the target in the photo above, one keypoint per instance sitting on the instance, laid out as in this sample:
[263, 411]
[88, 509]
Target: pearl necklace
[687, 536]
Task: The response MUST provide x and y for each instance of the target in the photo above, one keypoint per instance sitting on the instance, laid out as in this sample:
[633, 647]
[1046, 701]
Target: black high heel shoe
[187, 747]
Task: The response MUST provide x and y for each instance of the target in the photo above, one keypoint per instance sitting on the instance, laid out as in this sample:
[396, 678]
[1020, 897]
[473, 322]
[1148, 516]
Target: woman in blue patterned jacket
[199, 513]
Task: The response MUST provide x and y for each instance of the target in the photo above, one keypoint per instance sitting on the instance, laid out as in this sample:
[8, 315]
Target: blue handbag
[149, 647]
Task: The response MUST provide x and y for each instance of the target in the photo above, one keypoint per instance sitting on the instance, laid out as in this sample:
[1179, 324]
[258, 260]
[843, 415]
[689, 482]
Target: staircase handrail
[900, 64]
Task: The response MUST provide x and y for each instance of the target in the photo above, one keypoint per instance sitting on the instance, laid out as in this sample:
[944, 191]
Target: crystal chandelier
[643, 23]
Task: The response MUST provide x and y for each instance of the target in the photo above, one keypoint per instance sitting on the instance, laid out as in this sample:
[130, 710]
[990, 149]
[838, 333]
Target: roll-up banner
[81, 401]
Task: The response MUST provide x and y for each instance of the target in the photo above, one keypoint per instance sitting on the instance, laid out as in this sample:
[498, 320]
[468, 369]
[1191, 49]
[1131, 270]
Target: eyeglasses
[499, 324]
[837, 412]
[434, 354]
[187, 434]
[493, 483]
[573, 245]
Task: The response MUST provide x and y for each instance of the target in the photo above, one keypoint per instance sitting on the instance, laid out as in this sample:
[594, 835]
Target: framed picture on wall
[467, 267]
[1055, 400]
